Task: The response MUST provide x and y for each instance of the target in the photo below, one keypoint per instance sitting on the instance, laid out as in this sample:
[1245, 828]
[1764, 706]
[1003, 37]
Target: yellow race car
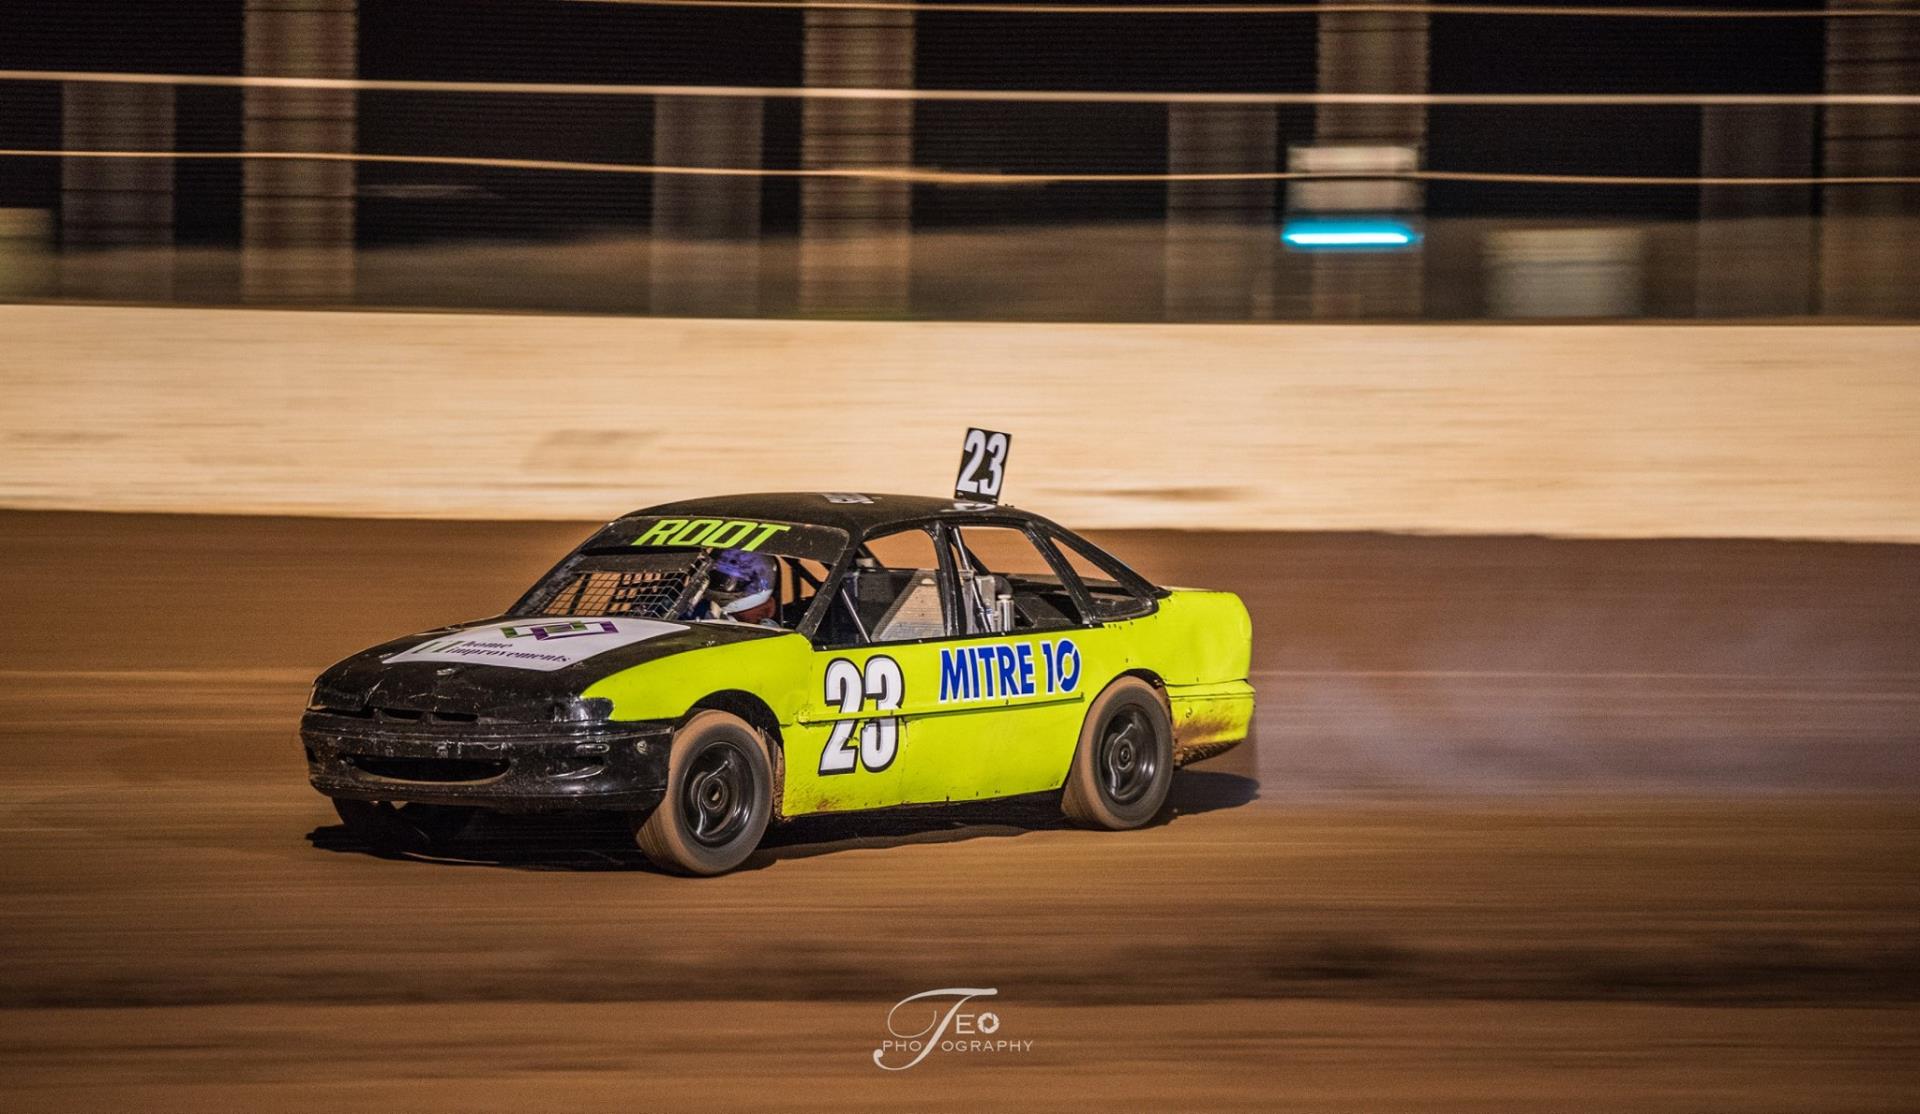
[713, 666]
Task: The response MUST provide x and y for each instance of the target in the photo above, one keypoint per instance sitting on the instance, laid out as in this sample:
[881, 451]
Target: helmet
[739, 581]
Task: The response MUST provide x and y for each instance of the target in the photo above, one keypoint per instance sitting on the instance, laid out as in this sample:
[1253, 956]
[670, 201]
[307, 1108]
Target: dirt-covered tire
[719, 798]
[415, 827]
[1123, 766]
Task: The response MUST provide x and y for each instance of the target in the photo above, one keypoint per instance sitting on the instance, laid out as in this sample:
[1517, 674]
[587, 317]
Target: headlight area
[579, 709]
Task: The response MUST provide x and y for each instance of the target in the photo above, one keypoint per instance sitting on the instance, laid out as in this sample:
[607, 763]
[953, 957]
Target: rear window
[1116, 592]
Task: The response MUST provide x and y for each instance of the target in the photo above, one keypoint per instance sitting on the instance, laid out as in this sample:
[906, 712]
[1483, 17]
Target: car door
[868, 735]
[1014, 678]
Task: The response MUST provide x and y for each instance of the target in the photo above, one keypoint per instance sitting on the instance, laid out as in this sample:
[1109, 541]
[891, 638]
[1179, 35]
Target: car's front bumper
[511, 768]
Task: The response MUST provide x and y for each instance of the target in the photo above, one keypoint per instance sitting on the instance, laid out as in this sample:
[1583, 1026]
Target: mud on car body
[916, 650]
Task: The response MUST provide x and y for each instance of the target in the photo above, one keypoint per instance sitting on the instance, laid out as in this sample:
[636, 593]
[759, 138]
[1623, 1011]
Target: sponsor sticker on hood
[539, 644]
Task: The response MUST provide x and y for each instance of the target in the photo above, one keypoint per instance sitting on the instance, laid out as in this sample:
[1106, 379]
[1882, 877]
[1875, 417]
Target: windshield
[701, 569]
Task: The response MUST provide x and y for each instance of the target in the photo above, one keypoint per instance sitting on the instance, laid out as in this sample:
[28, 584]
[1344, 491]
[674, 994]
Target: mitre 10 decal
[1049, 667]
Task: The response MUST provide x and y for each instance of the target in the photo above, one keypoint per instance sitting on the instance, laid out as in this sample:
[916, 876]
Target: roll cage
[962, 579]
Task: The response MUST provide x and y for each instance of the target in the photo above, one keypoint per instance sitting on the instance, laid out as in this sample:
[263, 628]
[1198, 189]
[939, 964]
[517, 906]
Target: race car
[712, 666]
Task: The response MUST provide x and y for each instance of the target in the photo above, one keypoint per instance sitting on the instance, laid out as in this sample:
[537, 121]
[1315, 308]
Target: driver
[740, 587]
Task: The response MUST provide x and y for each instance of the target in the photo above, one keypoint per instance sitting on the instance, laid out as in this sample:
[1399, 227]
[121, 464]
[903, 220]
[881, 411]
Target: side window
[800, 579]
[1112, 599]
[1007, 584]
[891, 594]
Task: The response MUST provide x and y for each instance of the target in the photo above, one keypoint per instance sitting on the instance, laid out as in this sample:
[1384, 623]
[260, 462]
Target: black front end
[485, 735]
[492, 714]
[373, 755]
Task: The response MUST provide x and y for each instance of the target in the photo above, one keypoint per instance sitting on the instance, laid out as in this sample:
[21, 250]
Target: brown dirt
[1516, 835]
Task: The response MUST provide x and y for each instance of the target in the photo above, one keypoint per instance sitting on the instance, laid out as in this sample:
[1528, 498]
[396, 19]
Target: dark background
[539, 40]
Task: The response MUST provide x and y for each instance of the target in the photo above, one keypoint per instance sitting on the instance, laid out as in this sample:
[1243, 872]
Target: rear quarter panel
[1200, 644]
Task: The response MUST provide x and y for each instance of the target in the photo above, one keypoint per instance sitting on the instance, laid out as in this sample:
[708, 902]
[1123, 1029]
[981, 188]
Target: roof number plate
[983, 465]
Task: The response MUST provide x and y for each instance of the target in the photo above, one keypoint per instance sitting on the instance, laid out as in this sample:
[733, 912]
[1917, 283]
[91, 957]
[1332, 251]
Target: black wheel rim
[717, 795]
[1129, 760]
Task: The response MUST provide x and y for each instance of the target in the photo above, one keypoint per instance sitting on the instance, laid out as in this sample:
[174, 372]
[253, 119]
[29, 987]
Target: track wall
[1604, 430]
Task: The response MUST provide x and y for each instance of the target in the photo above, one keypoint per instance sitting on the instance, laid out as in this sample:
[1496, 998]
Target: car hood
[510, 669]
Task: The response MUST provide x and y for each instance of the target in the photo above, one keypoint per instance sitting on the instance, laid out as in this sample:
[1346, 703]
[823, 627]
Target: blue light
[1314, 234]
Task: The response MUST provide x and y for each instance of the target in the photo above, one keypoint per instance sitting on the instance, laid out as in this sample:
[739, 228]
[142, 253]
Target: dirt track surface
[1528, 826]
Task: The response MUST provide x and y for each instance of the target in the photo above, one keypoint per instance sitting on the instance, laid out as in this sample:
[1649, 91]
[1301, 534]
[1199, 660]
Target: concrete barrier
[1631, 430]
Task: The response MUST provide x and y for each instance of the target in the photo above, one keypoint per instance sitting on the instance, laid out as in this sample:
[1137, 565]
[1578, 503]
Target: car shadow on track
[602, 841]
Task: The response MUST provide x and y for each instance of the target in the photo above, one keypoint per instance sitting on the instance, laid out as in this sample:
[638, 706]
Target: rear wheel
[1123, 767]
[719, 798]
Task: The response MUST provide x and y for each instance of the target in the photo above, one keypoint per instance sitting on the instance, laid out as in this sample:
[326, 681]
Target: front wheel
[1123, 767]
[719, 798]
